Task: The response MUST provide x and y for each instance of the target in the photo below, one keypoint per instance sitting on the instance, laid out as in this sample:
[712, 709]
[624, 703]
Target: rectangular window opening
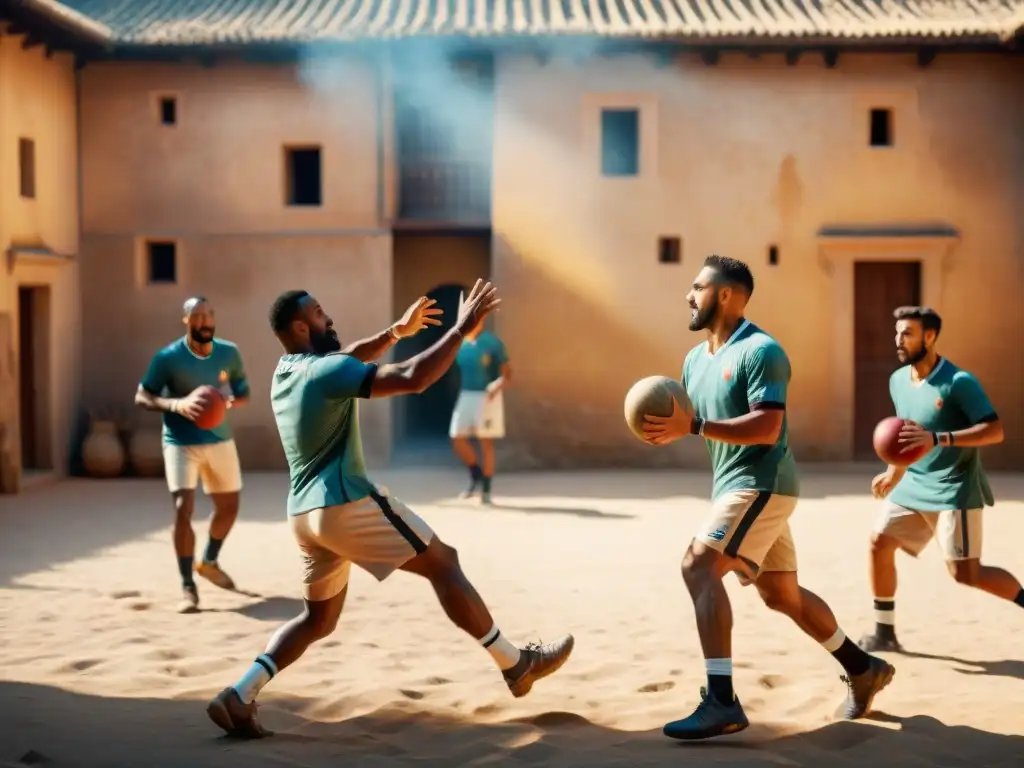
[27, 168]
[773, 255]
[304, 184]
[670, 250]
[620, 142]
[162, 262]
[169, 110]
[881, 128]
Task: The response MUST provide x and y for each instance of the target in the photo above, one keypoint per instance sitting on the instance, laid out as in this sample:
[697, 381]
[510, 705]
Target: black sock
[486, 484]
[185, 569]
[854, 660]
[212, 550]
[720, 687]
[1019, 599]
[475, 475]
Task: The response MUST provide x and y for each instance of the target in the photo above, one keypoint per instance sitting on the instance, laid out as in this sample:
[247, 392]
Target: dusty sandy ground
[98, 670]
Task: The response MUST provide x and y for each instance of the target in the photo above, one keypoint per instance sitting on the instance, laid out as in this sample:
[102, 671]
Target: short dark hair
[732, 271]
[285, 309]
[927, 316]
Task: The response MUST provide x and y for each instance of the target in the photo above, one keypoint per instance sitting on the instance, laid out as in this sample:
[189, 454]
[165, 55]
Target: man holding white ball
[737, 382]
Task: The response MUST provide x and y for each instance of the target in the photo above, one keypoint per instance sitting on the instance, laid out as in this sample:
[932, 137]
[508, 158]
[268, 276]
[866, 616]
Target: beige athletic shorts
[478, 416]
[752, 526]
[956, 531]
[215, 463]
[378, 533]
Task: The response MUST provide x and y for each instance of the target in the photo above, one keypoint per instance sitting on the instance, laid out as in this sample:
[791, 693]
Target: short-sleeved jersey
[315, 402]
[175, 371]
[480, 361]
[948, 400]
[749, 370]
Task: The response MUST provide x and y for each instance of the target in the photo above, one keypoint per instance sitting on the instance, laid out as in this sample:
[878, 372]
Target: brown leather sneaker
[213, 574]
[236, 718]
[537, 662]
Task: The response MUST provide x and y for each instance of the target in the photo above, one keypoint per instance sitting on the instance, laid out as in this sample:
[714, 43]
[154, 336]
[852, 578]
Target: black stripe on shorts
[732, 549]
[400, 525]
[965, 537]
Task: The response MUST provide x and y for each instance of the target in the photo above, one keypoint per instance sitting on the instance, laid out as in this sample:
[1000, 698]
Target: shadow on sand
[1011, 668]
[51, 726]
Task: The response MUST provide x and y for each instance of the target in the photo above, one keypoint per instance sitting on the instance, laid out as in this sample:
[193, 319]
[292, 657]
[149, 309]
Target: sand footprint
[656, 687]
[772, 681]
[411, 694]
[80, 666]
[165, 654]
[124, 594]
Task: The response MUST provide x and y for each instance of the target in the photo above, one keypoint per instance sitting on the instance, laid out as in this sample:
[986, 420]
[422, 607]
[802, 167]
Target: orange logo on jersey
[223, 377]
[938, 404]
[727, 374]
[485, 360]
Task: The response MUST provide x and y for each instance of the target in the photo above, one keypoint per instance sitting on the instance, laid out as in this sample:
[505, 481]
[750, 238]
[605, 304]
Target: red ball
[215, 408]
[888, 448]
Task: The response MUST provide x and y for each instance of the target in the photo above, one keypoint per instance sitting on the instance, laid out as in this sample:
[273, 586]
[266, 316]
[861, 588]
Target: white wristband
[394, 333]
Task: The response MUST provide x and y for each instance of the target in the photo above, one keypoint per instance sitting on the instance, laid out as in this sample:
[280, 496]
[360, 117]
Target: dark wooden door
[26, 377]
[879, 287]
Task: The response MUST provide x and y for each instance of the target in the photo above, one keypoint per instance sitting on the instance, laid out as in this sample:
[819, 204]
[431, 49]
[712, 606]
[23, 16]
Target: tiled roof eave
[62, 17]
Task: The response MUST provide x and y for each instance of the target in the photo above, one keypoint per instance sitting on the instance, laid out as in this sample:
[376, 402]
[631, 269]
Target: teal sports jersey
[480, 361]
[176, 370]
[314, 398]
[749, 371]
[950, 399]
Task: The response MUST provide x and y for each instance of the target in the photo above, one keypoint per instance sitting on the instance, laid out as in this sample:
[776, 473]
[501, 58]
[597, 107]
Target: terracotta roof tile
[196, 22]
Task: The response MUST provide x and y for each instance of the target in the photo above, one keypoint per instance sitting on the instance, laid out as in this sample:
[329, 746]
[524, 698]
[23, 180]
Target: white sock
[722, 667]
[505, 654]
[833, 643]
[260, 673]
[885, 610]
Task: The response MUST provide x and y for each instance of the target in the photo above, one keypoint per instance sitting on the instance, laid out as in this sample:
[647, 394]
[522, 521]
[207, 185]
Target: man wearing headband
[192, 453]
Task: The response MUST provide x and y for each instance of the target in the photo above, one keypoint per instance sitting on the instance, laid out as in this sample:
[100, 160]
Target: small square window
[773, 255]
[880, 131]
[169, 110]
[27, 168]
[670, 250]
[304, 184]
[162, 262]
[620, 142]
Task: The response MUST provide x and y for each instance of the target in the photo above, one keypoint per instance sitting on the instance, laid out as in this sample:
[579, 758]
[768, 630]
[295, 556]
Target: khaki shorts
[956, 531]
[215, 463]
[752, 526]
[378, 533]
[478, 416]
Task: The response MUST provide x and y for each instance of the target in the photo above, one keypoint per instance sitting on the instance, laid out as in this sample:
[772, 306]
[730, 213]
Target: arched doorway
[423, 419]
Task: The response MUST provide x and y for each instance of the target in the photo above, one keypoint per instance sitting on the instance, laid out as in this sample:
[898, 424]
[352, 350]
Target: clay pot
[146, 450]
[102, 452]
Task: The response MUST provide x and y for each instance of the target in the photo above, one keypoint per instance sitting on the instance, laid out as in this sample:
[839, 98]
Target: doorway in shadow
[422, 426]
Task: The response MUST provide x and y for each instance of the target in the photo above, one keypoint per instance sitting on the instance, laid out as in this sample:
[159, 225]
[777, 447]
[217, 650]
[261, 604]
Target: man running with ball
[737, 382]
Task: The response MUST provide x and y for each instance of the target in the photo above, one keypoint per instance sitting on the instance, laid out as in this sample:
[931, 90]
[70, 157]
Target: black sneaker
[711, 718]
[864, 687]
